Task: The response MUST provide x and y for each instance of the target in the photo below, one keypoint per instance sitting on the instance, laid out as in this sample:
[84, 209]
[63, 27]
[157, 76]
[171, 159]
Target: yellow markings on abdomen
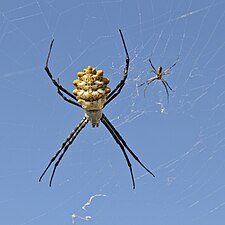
[91, 88]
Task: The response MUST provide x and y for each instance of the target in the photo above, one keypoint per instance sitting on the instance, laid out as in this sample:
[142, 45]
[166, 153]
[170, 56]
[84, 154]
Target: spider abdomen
[91, 88]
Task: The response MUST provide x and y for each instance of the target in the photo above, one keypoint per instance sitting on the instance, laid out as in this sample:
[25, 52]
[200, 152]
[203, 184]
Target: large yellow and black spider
[92, 94]
[159, 76]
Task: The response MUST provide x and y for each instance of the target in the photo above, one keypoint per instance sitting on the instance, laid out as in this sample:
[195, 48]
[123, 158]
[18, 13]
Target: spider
[159, 76]
[92, 95]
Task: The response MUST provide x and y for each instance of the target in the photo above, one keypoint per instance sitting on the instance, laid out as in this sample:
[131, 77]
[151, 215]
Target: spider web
[182, 141]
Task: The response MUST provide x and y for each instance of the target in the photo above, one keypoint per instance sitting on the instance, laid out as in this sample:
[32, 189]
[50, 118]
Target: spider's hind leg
[69, 140]
[57, 153]
[104, 121]
[120, 141]
[165, 84]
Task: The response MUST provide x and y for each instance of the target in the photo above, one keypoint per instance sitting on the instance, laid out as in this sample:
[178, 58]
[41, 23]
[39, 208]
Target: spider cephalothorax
[92, 94]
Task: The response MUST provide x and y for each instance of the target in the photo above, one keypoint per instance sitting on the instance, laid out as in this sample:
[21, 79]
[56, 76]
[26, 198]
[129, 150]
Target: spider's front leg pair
[60, 88]
[119, 87]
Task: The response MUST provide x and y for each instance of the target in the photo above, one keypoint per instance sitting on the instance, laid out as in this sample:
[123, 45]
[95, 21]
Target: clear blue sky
[182, 142]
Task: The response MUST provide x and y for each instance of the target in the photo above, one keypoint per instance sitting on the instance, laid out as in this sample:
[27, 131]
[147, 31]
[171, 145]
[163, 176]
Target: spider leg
[154, 70]
[119, 87]
[66, 148]
[167, 92]
[121, 146]
[57, 153]
[65, 98]
[113, 130]
[167, 70]
[167, 84]
[149, 82]
[69, 140]
[59, 86]
[126, 146]
[141, 84]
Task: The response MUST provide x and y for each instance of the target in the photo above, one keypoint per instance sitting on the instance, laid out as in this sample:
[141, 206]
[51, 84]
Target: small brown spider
[159, 76]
